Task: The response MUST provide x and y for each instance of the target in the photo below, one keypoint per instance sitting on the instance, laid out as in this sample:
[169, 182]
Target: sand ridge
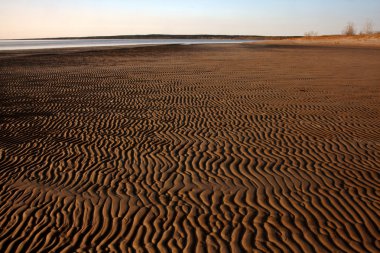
[202, 148]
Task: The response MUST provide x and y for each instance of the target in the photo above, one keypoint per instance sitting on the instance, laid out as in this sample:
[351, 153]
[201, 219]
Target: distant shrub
[349, 29]
[311, 34]
[367, 28]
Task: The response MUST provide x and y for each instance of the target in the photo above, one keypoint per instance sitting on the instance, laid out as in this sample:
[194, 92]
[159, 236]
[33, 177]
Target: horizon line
[173, 35]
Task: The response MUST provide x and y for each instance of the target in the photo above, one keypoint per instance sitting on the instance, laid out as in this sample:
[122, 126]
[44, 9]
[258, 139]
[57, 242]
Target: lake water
[67, 43]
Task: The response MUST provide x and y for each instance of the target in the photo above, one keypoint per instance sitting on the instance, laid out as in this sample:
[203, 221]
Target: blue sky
[54, 18]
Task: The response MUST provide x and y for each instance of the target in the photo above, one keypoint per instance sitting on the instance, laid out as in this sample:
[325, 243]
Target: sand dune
[208, 148]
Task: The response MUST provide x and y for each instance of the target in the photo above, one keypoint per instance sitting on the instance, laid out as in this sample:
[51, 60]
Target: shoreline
[335, 41]
[13, 45]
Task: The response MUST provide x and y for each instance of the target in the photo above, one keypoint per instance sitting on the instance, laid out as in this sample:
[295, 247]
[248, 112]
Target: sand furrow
[213, 148]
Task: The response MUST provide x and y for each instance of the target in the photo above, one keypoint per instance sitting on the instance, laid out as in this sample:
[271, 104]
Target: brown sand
[336, 40]
[219, 148]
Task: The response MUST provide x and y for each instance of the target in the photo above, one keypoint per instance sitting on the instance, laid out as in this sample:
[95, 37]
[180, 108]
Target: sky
[65, 18]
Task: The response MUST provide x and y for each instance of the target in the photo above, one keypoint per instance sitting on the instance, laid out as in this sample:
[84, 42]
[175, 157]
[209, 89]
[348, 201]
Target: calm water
[42, 44]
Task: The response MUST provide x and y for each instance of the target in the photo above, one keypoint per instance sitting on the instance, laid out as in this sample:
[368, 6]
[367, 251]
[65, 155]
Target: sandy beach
[202, 148]
[366, 41]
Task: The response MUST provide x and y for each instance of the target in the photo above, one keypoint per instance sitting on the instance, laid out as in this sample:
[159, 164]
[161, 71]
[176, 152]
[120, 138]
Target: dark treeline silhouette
[169, 36]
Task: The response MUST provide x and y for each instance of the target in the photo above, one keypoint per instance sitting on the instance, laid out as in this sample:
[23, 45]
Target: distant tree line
[367, 29]
[350, 30]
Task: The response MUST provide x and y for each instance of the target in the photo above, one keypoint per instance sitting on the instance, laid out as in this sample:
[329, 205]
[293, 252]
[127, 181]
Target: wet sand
[218, 148]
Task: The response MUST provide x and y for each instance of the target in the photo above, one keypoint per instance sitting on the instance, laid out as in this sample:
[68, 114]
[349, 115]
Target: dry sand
[336, 40]
[219, 148]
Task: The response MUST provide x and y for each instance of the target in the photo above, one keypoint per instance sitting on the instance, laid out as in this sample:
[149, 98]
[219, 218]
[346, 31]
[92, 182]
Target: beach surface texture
[200, 148]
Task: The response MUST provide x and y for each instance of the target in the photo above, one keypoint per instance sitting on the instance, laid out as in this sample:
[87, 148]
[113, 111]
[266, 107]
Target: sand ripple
[236, 148]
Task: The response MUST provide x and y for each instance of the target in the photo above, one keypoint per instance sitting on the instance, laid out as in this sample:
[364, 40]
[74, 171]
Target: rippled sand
[218, 148]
